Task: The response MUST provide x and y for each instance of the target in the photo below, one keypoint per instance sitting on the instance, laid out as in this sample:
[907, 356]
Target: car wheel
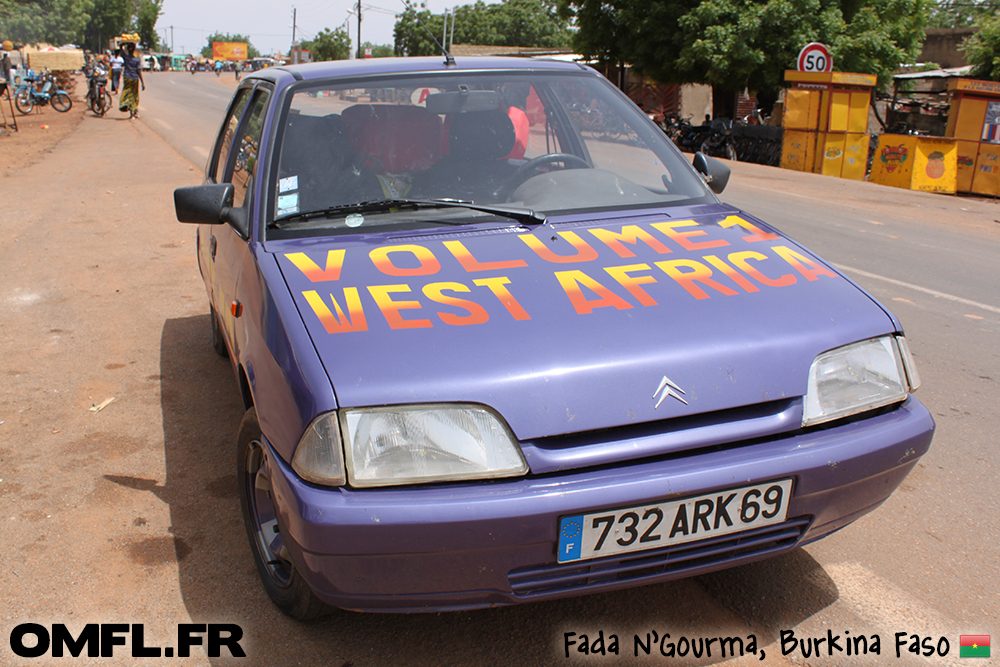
[282, 582]
[218, 342]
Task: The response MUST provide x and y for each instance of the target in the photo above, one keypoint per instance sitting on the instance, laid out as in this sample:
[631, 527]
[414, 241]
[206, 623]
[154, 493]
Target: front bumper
[493, 543]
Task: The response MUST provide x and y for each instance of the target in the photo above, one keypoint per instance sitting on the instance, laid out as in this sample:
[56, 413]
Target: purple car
[499, 342]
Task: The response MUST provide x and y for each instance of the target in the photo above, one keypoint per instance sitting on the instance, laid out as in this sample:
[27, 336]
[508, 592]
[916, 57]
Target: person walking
[117, 62]
[132, 79]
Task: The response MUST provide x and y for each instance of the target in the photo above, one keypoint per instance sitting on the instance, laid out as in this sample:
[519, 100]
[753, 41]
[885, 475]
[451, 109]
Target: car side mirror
[203, 204]
[715, 173]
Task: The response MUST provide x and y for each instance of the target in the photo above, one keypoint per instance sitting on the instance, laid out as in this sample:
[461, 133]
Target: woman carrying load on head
[131, 80]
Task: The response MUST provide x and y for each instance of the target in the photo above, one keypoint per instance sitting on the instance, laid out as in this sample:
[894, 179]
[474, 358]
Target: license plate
[672, 522]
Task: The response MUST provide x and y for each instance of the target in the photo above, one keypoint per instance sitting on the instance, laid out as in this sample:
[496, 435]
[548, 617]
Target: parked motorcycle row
[724, 138]
[38, 90]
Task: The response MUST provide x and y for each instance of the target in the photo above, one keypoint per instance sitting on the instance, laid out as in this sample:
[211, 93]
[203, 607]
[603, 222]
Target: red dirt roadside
[126, 514]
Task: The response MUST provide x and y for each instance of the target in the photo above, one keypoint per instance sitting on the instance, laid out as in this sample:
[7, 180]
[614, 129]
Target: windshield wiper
[525, 216]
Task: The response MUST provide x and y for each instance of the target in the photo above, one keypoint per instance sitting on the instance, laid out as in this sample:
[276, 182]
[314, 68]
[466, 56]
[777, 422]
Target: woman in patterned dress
[131, 80]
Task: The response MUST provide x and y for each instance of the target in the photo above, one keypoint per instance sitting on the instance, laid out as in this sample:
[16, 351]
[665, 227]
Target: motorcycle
[98, 97]
[686, 136]
[719, 142]
[30, 95]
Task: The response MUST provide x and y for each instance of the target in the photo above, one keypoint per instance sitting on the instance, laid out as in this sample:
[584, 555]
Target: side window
[247, 147]
[229, 131]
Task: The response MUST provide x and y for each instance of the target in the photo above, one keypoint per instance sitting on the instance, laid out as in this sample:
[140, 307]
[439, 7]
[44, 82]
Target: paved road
[918, 564]
[140, 523]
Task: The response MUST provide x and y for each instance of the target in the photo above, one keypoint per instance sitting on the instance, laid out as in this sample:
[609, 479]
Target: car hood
[575, 325]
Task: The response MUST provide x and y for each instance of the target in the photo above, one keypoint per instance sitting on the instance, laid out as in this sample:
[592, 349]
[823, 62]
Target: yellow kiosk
[927, 164]
[974, 122]
[826, 123]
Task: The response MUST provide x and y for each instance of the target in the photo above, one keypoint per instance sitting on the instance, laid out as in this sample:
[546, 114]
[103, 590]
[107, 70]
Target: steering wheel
[528, 169]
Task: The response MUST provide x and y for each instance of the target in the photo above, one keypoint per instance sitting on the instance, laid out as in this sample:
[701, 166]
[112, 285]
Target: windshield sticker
[634, 266]
[290, 183]
[354, 220]
[288, 203]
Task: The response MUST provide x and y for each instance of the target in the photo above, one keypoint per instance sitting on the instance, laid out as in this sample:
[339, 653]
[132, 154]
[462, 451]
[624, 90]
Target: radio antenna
[448, 58]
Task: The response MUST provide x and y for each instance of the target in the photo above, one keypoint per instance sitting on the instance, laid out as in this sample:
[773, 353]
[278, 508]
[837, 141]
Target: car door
[227, 247]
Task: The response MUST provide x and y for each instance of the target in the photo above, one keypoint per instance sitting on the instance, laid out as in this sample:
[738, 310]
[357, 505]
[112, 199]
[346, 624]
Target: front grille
[677, 560]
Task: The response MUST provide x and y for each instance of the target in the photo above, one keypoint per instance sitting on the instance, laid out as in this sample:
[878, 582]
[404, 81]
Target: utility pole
[360, 55]
[295, 53]
[444, 32]
[171, 39]
[451, 39]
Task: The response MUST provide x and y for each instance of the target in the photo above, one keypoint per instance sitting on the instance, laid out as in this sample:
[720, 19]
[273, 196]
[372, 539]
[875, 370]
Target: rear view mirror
[715, 173]
[203, 204]
[463, 100]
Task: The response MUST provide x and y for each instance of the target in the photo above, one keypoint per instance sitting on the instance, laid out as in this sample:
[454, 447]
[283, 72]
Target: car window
[552, 142]
[248, 142]
[228, 132]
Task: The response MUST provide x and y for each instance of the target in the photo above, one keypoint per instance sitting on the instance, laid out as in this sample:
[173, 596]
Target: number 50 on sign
[815, 57]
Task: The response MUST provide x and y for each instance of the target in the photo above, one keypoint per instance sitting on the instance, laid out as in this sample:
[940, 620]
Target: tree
[961, 13]
[982, 50]
[144, 19]
[740, 44]
[206, 52]
[378, 50]
[52, 21]
[110, 18]
[411, 37]
[526, 23]
[329, 45]
[107, 19]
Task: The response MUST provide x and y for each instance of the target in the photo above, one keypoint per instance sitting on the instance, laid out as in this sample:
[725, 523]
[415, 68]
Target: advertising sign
[229, 50]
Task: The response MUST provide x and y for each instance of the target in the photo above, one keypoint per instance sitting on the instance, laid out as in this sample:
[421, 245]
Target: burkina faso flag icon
[974, 646]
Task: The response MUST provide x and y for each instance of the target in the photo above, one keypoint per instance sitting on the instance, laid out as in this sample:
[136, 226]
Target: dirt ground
[36, 134]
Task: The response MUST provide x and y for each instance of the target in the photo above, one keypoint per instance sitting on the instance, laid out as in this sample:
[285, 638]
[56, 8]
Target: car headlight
[319, 458]
[427, 443]
[857, 378]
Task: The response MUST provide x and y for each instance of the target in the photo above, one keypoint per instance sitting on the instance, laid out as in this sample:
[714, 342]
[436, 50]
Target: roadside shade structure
[826, 123]
[974, 121]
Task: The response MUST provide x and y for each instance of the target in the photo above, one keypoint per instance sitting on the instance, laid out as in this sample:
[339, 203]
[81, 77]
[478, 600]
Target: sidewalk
[99, 283]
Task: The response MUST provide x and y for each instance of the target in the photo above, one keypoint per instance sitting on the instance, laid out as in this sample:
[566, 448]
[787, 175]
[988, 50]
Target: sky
[269, 24]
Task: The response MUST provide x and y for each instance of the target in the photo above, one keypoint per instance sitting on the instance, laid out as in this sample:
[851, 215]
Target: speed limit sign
[815, 57]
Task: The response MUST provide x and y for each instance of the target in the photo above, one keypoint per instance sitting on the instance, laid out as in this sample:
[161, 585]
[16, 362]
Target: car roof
[367, 66]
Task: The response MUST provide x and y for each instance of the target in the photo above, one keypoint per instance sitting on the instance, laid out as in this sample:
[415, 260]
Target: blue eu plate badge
[570, 538]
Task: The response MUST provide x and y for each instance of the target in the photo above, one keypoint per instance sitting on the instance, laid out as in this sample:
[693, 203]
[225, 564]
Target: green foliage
[962, 13]
[733, 44]
[108, 19]
[144, 19]
[329, 45]
[53, 21]
[525, 23]
[378, 50]
[982, 50]
[206, 52]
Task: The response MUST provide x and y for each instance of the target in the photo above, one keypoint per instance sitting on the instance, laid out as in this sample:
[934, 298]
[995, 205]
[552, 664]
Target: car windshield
[555, 143]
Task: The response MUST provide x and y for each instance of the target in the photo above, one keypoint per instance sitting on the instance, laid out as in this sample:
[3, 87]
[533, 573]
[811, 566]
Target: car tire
[218, 342]
[281, 580]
